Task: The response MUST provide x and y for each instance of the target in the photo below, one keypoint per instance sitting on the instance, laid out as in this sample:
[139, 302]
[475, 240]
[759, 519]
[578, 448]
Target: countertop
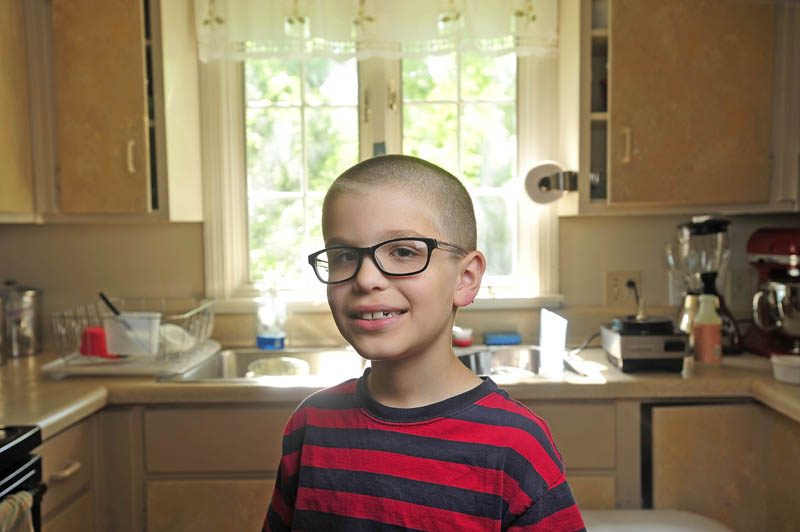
[30, 396]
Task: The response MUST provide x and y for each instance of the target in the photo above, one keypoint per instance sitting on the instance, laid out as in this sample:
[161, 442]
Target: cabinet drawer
[584, 432]
[182, 440]
[593, 492]
[67, 464]
[77, 517]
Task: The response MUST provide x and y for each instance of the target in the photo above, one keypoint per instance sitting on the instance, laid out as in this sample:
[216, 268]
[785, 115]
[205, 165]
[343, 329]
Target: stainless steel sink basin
[512, 360]
[287, 367]
[329, 366]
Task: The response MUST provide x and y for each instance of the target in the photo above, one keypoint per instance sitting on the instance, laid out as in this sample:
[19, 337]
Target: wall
[591, 246]
[71, 263]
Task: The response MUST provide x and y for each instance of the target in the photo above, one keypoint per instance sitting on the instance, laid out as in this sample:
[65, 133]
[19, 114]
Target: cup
[93, 342]
[133, 333]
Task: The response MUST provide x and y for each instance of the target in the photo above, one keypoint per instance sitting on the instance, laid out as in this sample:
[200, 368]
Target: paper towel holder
[548, 181]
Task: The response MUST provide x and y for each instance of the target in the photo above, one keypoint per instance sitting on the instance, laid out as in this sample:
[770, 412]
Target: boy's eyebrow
[387, 235]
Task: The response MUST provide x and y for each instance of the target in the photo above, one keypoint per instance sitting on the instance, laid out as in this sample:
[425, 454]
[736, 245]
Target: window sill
[245, 305]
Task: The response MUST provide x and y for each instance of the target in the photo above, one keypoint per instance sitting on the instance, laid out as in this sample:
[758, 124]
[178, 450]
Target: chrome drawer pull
[67, 472]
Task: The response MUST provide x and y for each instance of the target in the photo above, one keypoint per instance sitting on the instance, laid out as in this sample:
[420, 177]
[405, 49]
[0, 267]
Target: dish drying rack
[193, 315]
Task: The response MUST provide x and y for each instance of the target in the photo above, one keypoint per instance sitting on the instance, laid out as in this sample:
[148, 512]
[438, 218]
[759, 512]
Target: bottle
[271, 323]
[707, 331]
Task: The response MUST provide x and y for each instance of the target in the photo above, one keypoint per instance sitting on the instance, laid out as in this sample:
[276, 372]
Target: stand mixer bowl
[776, 308]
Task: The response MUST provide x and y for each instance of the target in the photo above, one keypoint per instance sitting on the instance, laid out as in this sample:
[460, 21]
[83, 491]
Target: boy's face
[420, 306]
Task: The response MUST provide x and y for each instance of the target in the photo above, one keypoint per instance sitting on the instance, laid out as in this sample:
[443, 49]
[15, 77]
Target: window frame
[226, 239]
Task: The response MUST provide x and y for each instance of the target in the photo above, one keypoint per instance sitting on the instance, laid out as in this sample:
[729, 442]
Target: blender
[700, 256]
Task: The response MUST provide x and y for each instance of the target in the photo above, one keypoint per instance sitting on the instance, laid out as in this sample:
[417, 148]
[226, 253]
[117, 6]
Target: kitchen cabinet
[598, 442]
[16, 183]
[126, 110]
[736, 463]
[687, 107]
[211, 467]
[68, 469]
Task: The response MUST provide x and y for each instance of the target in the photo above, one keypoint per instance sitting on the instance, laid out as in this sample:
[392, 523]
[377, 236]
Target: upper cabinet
[101, 104]
[118, 129]
[16, 180]
[689, 106]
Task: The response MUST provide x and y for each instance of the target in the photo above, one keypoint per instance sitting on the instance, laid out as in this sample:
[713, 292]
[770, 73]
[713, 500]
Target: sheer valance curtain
[239, 29]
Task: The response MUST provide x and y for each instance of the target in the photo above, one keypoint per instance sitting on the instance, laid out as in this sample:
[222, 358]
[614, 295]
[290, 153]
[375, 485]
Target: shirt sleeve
[281, 508]
[554, 511]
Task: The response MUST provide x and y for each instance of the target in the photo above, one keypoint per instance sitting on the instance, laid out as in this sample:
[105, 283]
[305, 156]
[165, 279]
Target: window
[297, 133]
[459, 111]
[301, 130]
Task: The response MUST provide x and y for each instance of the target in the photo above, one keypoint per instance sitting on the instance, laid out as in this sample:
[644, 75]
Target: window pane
[488, 78]
[314, 225]
[276, 234]
[332, 144]
[489, 143]
[274, 149]
[331, 82]
[495, 234]
[429, 132]
[272, 81]
[431, 78]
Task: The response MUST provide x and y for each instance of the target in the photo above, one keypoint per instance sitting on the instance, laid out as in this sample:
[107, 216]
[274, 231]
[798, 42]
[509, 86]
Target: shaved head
[420, 181]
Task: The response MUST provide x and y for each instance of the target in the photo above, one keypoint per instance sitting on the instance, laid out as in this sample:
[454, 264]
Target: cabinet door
[219, 505]
[16, 183]
[101, 106]
[713, 460]
[690, 101]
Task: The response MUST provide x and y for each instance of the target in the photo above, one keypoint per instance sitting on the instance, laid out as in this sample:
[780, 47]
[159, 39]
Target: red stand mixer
[775, 253]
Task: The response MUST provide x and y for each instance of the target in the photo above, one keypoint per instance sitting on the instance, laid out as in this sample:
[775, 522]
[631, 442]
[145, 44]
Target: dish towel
[15, 513]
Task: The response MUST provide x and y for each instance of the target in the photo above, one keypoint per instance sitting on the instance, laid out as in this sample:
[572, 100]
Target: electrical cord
[584, 345]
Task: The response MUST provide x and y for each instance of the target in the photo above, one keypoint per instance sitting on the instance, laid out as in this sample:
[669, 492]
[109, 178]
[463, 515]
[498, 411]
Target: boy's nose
[369, 276]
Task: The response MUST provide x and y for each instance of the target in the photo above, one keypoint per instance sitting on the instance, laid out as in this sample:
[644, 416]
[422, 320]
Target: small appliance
[638, 342]
[775, 253]
[700, 257]
[634, 343]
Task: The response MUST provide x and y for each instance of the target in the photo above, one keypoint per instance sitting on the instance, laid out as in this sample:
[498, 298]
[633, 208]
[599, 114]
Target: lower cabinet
[590, 436]
[210, 468]
[736, 463]
[203, 504]
[68, 469]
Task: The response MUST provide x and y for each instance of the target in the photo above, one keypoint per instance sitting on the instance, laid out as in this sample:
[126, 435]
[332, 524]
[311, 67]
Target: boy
[418, 442]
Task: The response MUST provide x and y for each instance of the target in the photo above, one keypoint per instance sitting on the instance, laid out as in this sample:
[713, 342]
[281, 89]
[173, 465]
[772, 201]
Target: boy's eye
[406, 251]
[342, 256]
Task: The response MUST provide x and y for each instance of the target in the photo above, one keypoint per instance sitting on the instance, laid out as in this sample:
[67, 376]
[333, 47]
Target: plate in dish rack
[77, 364]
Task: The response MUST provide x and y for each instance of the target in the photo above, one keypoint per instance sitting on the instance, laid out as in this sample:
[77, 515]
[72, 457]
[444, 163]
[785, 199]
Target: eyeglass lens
[398, 257]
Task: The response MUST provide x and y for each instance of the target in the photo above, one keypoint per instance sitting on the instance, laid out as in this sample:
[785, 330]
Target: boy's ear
[469, 280]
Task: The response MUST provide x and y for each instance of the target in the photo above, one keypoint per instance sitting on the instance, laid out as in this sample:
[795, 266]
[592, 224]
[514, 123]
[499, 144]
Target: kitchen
[71, 260]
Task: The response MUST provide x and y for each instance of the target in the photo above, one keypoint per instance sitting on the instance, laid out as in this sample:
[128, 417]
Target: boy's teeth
[377, 315]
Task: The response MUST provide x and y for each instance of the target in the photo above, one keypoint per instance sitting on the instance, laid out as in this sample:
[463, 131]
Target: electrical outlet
[617, 294]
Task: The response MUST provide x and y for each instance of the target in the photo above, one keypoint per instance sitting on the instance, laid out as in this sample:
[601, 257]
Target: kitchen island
[628, 440]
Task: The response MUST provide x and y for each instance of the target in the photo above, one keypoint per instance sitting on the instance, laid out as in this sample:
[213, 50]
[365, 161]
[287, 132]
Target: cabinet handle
[67, 472]
[131, 166]
[626, 133]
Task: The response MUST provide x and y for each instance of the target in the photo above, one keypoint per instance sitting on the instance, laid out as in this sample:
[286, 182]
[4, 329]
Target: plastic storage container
[786, 368]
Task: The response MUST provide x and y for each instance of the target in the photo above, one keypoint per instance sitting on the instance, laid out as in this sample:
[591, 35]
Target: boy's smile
[384, 317]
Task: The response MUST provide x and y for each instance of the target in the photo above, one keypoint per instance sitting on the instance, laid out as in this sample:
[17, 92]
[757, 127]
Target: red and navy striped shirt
[478, 461]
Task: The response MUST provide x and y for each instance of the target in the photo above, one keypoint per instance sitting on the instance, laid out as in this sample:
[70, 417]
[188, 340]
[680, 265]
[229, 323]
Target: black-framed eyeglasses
[396, 257]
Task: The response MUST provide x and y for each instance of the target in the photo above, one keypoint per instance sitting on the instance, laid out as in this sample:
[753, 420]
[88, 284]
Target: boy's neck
[416, 381]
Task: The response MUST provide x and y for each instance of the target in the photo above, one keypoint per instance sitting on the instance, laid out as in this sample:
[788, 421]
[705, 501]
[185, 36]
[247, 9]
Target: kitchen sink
[287, 367]
[328, 366]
